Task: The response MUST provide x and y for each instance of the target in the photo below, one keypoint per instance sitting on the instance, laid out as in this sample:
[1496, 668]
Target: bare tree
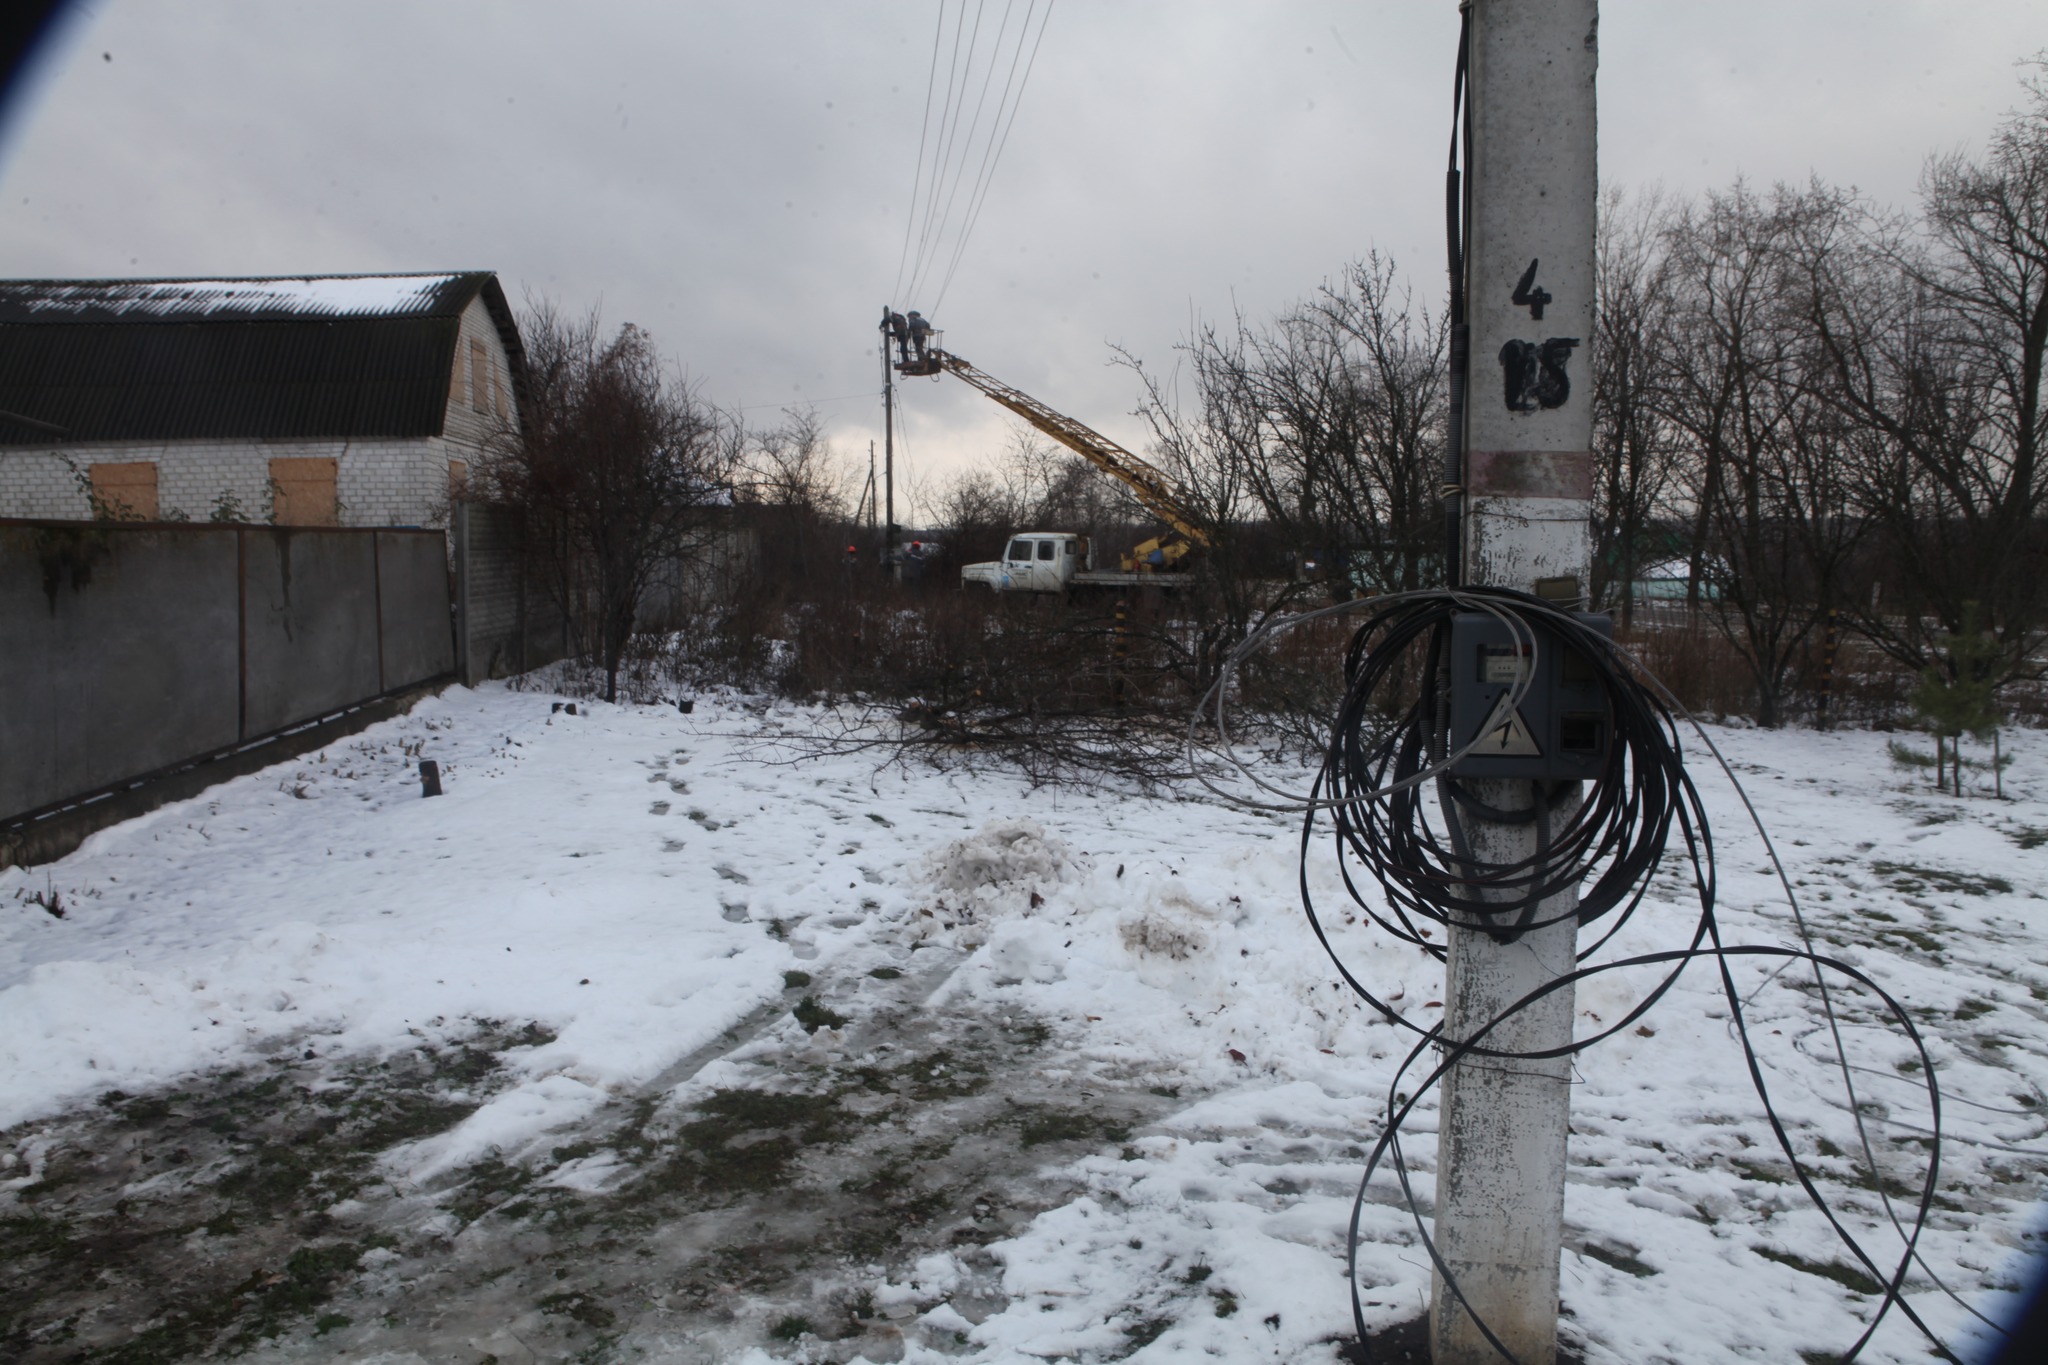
[796, 491]
[619, 471]
[1397, 356]
[1936, 346]
[1333, 419]
[1768, 479]
[1212, 456]
[1636, 447]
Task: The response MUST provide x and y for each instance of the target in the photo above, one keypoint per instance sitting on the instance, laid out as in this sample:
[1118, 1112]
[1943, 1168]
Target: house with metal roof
[337, 400]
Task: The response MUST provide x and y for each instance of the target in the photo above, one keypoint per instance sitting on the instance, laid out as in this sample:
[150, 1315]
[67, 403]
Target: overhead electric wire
[804, 401]
[949, 125]
[1457, 226]
[923, 129]
[966, 145]
[980, 195]
[939, 221]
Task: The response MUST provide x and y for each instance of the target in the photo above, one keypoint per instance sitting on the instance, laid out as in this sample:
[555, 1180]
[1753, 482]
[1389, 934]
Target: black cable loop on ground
[1399, 1107]
[1369, 784]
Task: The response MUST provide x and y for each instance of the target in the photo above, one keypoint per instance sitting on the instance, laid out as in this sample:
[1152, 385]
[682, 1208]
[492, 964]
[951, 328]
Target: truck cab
[1033, 561]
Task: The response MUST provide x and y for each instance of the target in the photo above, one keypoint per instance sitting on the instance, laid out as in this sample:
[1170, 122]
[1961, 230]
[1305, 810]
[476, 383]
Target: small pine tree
[1957, 696]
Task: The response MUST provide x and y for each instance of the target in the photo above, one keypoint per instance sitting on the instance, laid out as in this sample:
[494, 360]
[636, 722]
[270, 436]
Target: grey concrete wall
[118, 655]
[486, 593]
[412, 609]
[125, 650]
[681, 590]
[311, 620]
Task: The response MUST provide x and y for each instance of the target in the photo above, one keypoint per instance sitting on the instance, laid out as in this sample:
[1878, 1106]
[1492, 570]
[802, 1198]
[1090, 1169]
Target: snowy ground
[635, 1046]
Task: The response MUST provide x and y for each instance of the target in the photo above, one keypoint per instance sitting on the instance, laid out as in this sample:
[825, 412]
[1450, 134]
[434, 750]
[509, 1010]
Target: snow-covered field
[680, 915]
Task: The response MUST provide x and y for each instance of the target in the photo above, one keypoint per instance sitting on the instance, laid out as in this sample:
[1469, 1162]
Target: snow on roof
[303, 296]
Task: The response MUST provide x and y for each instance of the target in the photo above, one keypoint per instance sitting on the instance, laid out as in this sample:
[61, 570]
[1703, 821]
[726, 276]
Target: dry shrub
[1713, 681]
[1698, 664]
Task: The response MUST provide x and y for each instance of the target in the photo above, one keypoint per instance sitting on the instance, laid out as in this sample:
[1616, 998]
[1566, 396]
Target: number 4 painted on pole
[1529, 295]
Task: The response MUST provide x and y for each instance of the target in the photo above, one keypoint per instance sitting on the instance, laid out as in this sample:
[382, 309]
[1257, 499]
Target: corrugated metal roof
[311, 296]
[306, 358]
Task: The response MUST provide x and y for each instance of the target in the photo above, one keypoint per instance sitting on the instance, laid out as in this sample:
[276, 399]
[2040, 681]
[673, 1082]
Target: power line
[919, 210]
[949, 122]
[931, 80]
[991, 150]
[801, 401]
[939, 223]
[966, 146]
[982, 185]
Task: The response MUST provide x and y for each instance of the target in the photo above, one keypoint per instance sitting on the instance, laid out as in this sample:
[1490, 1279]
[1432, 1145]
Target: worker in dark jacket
[900, 329]
[920, 333]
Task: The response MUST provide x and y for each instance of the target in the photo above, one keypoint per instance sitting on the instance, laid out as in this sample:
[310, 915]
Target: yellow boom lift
[1163, 553]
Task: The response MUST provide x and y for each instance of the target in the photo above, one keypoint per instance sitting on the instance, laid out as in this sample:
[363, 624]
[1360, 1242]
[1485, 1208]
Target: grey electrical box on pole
[1527, 485]
[1561, 729]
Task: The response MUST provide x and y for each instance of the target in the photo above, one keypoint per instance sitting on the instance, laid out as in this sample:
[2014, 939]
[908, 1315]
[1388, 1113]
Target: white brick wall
[379, 482]
[192, 476]
[36, 483]
[394, 483]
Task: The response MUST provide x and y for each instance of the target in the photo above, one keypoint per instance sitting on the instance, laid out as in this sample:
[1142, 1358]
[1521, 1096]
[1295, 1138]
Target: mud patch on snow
[214, 1216]
[821, 1193]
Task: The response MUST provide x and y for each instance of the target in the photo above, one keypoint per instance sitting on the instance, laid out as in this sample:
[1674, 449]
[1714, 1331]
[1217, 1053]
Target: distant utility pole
[1528, 485]
[869, 499]
[889, 527]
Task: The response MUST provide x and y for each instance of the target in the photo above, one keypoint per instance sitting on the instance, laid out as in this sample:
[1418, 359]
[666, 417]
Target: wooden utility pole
[1527, 485]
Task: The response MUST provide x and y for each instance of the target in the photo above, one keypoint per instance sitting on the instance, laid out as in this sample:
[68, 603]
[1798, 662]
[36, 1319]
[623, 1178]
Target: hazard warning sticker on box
[1505, 734]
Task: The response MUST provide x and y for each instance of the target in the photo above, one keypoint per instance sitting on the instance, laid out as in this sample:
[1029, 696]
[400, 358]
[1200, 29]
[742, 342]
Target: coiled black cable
[1616, 837]
[1390, 736]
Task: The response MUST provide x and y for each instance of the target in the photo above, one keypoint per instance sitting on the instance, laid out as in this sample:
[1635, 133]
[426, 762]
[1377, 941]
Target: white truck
[1055, 561]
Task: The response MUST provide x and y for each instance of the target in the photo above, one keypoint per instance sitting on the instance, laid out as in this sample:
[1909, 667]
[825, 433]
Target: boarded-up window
[126, 491]
[458, 478]
[304, 493]
[497, 393]
[479, 376]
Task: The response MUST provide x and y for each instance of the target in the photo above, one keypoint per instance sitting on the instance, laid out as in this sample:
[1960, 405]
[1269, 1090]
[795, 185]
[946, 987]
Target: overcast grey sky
[737, 177]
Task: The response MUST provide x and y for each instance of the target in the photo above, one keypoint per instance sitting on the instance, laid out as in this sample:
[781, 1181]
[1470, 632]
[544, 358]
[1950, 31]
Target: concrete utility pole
[868, 498]
[1528, 483]
[889, 527]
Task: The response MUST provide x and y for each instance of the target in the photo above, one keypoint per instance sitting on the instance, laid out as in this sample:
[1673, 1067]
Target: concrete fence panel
[118, 655]
[412, 608]
[127, 650]
[310, 617]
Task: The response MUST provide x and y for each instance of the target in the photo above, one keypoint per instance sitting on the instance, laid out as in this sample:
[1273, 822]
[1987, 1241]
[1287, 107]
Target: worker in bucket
[920, 333]
[899, 329]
